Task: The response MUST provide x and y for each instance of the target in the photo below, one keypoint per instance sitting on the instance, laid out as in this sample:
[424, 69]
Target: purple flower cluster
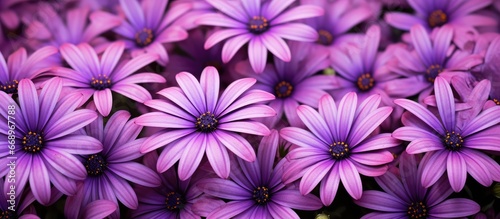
[249, 109]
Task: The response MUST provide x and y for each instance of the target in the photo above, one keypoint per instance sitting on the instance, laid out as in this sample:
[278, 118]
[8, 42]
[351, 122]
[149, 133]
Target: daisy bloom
[108, 171]
[97, 77]
[257, 190]
[338, 146]
[430, 14]
[458, 150]
[173, 198]
[262, 25]
[197, 120]
[149, 25]
[293, 82]
[431, 57]
[405, 197]
[45, 143]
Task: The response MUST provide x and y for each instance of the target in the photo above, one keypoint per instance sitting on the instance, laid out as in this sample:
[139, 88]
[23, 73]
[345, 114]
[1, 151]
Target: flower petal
[422, 145]
[350, 179]
[29, 103]
[225, 189]
[218, 157]
[128, 171]
[210, 83]
[69, 123]
[236, 144]
[277, 46]
[422, 113]
[313, 175]
[457, 171]
[193, 91]
[433, 166]
[191, 156]
[257, 54]
[39, 181]
[455, 208]
[103, 100]
[65, 163]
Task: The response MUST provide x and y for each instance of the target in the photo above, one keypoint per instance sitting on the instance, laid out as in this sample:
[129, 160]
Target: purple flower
[20, 66]
[149, 25]
[362, 69]
[451, 148]
[257, 190]
[430, 14]
[197, 120]
[293, 82]
[340, 16]
[431, 58]
[108, 171]
[405, 197]
[338, 146]
[97, 77]
[174, 198]
[262, 26]
[77, 26]
[45, 145]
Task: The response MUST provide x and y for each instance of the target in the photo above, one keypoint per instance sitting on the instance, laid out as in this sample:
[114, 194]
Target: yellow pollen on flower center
[144, 37]
[258, 24]
[437, 18]
[365, 82]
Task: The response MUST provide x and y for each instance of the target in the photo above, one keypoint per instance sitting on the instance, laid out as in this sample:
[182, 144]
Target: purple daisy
[174, 198]
[405, 197]
[97, 77]
[362, 69]
[108, 171]
[451, 148]
[262, 25]
[77, 26]
[197, 120]
[45, 143]
[338, 146]
[293, 82]
[149, 25]
[20, 66]
[432, 14]
[257, 190]
[340, 16]
[431, 58]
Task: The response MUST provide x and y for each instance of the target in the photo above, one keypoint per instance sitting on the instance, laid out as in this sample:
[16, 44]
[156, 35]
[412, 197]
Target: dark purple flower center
[101, 82]
[339, 150]
[144, 37]
[433, 71]
[95, 165]
[32, 142]
[417, 210]
[261, 195]
[453, 141]
[174, 201]
[206, 122]
[283, 89]
[8, 215]
[497, 102]
[365, 82]
[10, 87]
[437, 18]
[325, 37]
[258, 25]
